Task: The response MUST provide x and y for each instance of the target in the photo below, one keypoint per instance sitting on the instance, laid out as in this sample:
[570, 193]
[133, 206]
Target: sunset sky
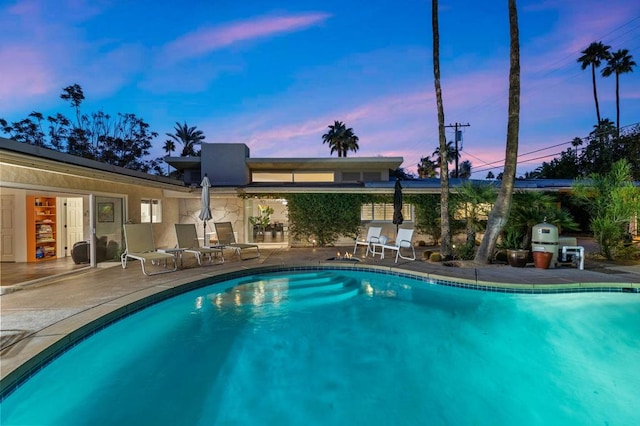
[275, 74]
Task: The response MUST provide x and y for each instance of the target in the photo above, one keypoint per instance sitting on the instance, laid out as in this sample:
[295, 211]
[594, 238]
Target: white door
[7, 238]
[74, 222]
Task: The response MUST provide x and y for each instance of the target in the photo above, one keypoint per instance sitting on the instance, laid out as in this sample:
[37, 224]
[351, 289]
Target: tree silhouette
[592, 57]
[340, 139]
[618, 63]
[189, 137]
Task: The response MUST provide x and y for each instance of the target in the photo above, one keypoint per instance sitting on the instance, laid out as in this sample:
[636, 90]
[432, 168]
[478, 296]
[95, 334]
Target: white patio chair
[373, 235]
[403, 240]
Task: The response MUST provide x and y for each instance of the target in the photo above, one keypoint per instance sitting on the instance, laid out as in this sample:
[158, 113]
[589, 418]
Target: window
[292, 177]
[151, 211]
[384, 212]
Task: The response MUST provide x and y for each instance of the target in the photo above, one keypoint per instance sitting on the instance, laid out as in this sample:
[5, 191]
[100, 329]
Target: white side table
[176, 252]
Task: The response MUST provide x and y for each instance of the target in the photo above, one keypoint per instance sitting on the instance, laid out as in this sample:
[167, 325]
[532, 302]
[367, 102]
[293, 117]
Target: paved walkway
[39, 320]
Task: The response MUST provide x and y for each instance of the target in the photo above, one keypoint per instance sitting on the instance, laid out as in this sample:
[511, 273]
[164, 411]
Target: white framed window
[150, 211]
[383, 212]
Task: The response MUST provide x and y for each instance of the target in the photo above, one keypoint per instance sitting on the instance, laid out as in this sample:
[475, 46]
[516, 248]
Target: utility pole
[456, 126]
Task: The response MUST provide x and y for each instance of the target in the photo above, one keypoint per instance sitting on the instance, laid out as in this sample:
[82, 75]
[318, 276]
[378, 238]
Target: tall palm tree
[592, 57]
[500, 211]
[341, 139]
[446, 248]
[576, 142]
[189, 137]
[618, 63]
[169, 147]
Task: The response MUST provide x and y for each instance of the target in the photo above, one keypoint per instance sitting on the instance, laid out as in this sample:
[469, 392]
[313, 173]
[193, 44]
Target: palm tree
[169, 147]
[576, 142]
[446, 248]
[618, 63]
[341, 139]
[187, 136]
[464, 171]
[500, 211]
[427, 168]
[350, 142]
[450, 153]
[593, 56]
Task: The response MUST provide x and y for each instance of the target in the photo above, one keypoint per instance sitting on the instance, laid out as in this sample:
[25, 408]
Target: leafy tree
[445, 227]
[121, 141]
[592, 57]
[612, 201]
[341, 139]
[188, 137]
[490, 175]
[564, 167]
[500, 211]
[324, 217]
[619, 62]
[401, 173]
[602, 148]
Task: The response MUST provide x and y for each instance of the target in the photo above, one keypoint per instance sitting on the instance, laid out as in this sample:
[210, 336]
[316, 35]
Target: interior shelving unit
[41, 228]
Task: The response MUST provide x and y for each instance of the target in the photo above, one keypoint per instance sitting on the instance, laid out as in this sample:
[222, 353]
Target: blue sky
[275, 74]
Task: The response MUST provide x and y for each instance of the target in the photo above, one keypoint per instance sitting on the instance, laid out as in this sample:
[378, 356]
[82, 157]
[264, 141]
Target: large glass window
[151, 211]
[384, 212]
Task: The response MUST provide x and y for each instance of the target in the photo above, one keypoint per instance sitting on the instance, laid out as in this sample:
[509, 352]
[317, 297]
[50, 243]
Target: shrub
[465, 251]
[435, 257]
[426, 255]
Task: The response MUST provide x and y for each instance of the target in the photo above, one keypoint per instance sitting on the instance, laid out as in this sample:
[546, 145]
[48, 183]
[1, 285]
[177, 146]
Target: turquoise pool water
[348, 348]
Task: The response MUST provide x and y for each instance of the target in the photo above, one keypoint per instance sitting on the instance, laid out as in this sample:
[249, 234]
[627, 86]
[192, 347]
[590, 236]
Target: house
[90, 201]
[51, 200]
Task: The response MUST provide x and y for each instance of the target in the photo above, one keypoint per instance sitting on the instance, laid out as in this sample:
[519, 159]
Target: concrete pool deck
[40, 319]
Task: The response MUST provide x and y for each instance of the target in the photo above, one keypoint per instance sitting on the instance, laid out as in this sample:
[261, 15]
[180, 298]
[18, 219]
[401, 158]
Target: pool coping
[53, 340]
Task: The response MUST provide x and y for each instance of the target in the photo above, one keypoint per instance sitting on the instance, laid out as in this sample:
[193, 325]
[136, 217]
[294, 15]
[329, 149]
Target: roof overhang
[39, 158]
[324, 164]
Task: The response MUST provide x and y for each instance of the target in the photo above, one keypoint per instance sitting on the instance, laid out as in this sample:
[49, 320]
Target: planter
[542, 259]
[518, 258]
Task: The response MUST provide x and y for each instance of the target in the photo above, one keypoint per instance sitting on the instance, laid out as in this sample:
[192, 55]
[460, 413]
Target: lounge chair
[140, 246]
[227, 239]
[403, 240]
[373, 235]
[188, 242]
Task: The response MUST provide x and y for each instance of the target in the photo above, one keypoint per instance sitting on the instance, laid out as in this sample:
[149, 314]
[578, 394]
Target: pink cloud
[206, 40]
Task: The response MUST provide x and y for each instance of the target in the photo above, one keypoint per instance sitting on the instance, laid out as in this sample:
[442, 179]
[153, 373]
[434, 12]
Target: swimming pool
[344, 347]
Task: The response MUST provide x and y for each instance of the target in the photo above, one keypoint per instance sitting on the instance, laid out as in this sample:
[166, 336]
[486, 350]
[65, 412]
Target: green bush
[465, 251]
[435, 257]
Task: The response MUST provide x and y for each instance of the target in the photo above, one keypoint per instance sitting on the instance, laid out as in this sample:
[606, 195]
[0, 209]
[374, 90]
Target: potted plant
[261, 222]
[513, 242]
